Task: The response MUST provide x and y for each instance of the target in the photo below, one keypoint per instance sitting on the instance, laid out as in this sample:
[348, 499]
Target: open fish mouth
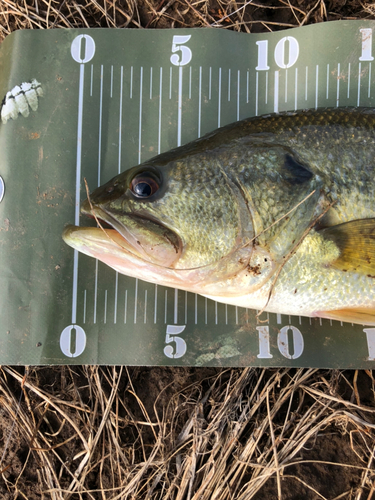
[141, 237]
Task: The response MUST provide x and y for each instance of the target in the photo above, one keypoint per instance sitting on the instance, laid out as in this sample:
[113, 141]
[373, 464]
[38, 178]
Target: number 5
[180, 344]
[186, 53]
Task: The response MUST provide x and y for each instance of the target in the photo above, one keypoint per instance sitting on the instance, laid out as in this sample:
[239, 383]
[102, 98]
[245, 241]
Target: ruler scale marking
[219, 101]
[238, 95]
[179, 111]
[156, 304]
[140, 116]
[229, 75]
[91, 79]
[84, 305]
[131, 82]
[151, 82]
[78, 187]
[96, 289]
[286, 86]
[160, 101]
[200, 102]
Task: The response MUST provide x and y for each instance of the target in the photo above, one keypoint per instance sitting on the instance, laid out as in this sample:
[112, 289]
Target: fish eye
[144, 185]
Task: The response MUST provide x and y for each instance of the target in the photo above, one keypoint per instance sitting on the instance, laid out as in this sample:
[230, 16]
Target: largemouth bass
[274, 213]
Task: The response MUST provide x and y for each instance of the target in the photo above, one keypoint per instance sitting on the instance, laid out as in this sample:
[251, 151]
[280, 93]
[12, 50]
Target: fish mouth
[141, 237]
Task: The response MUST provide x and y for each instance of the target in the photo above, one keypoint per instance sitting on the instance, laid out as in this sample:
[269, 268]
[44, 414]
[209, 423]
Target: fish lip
[131, 242]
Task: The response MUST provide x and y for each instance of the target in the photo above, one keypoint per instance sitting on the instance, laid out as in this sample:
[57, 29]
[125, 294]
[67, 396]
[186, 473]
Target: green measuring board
[92, 103]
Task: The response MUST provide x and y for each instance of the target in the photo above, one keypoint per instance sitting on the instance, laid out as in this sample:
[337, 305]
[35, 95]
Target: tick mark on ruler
[175, 311]
[238, 95]
[186, 296]
[229, 74]
[247, 87]
[100, 124]
[165, 306]
[219, 101]
[190, 82]
[125, 305]
[200, 101]
[369, 80]
[116, 297]
[135, 300]
[111, 81]
[156, 303]
[179, 113]
[286, 86]
[359, 84]
[160, 99]
[145, 313]
[140, 116]
[105, 305]
[209, 84]
[348, 80]
[131, 82]
[96, 289]
[151, 83]
[84, 306]
[120, 120]
[92, 77]
[195, 308]
[276, 93]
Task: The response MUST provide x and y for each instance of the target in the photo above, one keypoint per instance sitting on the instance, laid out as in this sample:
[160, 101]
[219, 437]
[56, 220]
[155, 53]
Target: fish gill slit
[293, 251]
[281, 218]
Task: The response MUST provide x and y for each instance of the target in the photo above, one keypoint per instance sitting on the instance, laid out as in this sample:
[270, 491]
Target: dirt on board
[92, 432]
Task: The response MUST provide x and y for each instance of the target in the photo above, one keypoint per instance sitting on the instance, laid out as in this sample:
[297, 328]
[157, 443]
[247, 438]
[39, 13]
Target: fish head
[175, 223]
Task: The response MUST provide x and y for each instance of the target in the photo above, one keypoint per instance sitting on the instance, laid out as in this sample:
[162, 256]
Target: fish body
[273, 213]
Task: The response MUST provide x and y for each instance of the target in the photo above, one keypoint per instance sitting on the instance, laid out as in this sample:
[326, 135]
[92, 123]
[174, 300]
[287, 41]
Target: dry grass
[223, 436]
[110, 432]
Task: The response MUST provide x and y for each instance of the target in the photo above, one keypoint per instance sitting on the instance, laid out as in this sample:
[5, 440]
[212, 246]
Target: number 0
[66, 341]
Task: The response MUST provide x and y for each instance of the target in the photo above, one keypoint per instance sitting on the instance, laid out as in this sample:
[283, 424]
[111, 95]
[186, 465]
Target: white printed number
[286, 53]
[282, 342]
[370, 337]
[178, 46]
[366, 45]
[179, 347]
[83, 48]
[73, 341]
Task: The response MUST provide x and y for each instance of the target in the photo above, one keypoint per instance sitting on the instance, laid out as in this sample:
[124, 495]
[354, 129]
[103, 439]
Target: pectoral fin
[362, 316]
[356, 243]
